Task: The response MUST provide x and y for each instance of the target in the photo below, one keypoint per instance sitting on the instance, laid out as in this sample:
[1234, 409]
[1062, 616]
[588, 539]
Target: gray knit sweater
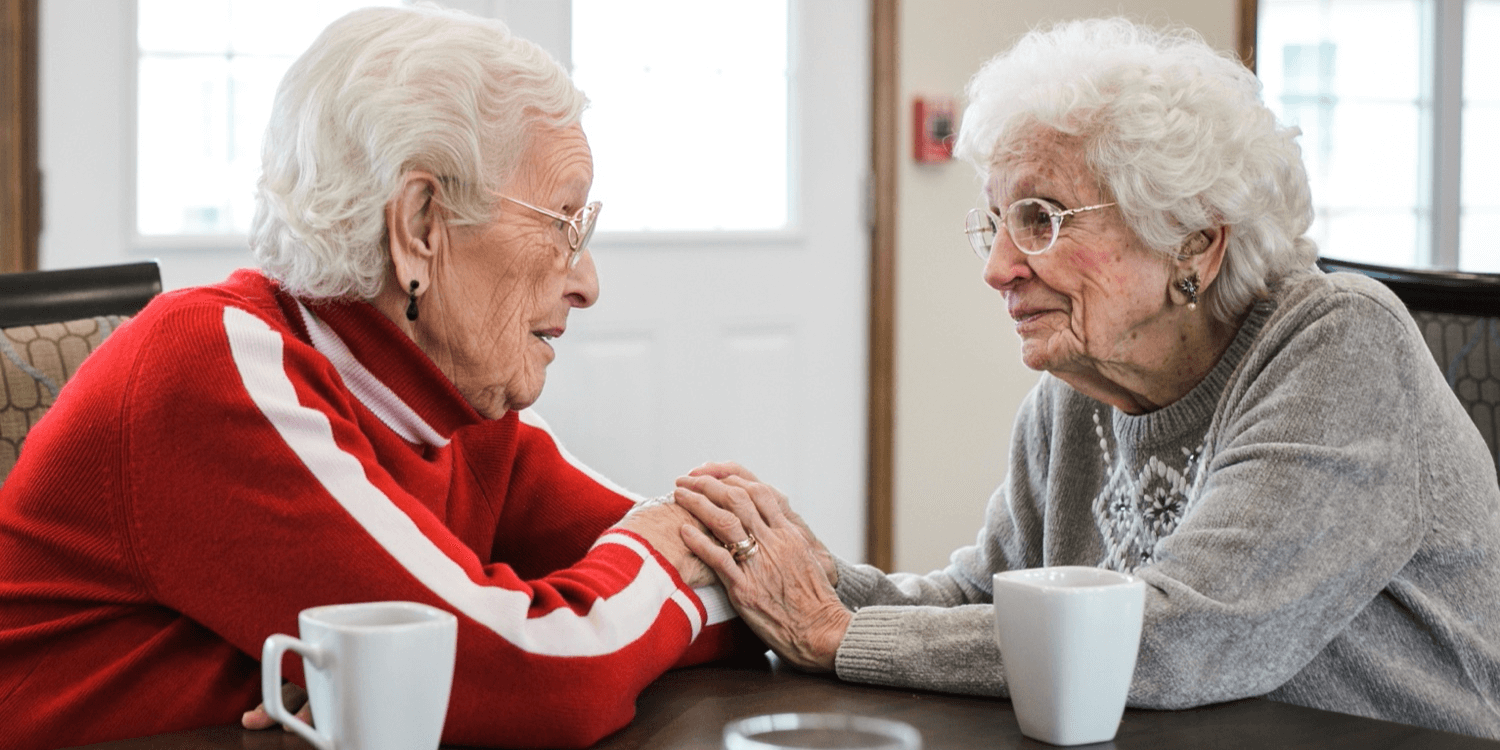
[1317, 522]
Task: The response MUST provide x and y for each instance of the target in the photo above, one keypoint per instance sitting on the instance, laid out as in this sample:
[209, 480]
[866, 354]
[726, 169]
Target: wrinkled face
[1093, 299]
[507, 285]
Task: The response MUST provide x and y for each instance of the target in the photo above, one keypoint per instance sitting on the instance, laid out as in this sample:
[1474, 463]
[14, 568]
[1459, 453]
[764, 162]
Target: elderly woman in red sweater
[349, 423]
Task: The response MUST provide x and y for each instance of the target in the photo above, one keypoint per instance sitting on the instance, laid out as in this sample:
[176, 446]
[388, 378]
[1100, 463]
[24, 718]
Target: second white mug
[378, 675]
[1068, 641]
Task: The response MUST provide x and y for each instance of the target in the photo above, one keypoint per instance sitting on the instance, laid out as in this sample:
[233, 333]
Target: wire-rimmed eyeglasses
[580, 226]
[1033, 224]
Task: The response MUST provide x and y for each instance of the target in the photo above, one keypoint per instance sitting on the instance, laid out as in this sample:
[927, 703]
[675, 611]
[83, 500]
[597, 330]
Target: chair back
[49, 322]
[1459, 316]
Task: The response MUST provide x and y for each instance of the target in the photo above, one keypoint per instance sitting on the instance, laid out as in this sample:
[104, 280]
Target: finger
[257, 718]
[725, 525]
[713, 555]
[721, 469]
[767, 499]
[733, 498]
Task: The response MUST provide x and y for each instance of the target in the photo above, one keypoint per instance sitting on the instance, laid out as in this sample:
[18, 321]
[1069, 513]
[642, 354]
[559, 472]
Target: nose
[1007, 265]
[582, 288]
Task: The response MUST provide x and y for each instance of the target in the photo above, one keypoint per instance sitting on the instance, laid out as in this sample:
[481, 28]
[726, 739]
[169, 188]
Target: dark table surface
[688, 709]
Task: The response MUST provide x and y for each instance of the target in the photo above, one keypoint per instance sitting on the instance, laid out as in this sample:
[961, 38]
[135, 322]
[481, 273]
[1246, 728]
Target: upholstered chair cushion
[35, 362]
[1467, 349]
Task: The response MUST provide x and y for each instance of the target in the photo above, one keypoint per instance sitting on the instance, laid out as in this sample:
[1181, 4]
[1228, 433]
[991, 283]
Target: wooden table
[688, 709]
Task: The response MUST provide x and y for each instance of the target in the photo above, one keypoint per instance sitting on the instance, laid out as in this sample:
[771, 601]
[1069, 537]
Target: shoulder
[185, 341]
[1312, 295]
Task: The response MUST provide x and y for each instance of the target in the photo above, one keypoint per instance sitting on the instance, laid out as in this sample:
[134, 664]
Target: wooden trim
[1249, 18]
[20, 178]
[879, 522]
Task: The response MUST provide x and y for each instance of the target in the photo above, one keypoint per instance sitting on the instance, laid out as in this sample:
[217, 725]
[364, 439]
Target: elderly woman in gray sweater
[1272, 449]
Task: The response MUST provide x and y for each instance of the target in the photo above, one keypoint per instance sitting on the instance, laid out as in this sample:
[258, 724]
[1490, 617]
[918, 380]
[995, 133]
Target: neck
[1137, 384]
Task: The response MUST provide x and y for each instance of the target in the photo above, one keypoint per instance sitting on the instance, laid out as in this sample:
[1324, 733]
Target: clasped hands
[784, 587]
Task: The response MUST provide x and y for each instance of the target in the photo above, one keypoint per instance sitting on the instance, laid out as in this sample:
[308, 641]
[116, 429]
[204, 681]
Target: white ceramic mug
[378, 675]
[1068, 639]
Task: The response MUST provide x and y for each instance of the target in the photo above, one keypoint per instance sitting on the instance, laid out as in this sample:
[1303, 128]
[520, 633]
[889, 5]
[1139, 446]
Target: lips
[1024, 314]
[547, 334]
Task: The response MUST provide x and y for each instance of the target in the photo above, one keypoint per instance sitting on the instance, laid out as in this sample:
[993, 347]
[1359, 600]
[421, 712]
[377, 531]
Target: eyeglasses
[1033, 224]
[580, 225]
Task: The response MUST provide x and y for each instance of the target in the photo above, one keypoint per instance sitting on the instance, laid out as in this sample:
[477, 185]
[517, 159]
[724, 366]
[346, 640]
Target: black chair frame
[1453, 292]
[33, 297]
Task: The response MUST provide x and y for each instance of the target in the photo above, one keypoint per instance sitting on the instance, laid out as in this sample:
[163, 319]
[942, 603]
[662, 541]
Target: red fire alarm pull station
[933, 128]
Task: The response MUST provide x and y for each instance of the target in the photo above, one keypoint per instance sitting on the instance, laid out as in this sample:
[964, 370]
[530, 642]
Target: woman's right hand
[777, 584]
[724, 469]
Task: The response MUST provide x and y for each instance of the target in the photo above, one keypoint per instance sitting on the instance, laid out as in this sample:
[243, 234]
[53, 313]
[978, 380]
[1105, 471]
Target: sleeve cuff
[864, 654]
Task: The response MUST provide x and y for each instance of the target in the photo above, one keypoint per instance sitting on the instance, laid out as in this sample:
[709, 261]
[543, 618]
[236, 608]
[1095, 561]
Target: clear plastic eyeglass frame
[580, 225]
[1033, 224]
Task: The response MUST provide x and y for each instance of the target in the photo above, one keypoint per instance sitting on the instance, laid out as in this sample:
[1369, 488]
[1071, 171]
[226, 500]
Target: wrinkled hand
[660, 523]
[724, 470]
[292, 696]
[782, 591]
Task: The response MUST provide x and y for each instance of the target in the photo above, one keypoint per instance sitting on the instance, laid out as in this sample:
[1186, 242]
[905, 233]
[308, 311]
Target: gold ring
[741, 545]
[743, 549]
[741, 555]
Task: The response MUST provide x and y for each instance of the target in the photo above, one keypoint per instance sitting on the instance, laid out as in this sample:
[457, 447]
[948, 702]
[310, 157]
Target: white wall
[959, 379]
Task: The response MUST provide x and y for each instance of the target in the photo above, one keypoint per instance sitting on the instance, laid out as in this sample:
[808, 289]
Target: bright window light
[206, 75]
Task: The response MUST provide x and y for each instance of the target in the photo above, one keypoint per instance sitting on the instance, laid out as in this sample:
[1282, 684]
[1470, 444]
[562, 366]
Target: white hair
[383, 91]
[1174, 131]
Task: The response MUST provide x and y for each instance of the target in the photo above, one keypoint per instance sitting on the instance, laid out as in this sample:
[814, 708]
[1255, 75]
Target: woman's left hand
[780, 589]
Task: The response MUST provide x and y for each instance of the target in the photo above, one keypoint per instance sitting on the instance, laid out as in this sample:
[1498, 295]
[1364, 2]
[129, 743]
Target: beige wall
[958, 375]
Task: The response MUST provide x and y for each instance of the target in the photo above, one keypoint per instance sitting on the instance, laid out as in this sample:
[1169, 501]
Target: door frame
[20, 177]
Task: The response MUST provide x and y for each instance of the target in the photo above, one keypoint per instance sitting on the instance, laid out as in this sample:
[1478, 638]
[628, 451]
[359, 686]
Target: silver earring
[1189, 288]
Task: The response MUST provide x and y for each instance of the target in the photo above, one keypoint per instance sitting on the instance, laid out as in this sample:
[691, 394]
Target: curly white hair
[383, 91]
[1176, 133]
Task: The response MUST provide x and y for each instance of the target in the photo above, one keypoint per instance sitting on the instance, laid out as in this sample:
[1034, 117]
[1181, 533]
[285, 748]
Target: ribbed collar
[391, 357]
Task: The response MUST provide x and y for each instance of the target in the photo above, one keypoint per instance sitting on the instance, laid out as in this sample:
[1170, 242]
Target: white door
[745, 346]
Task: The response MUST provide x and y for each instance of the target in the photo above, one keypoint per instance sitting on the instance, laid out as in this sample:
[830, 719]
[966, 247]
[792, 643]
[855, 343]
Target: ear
[417, 229]
[1204, 253]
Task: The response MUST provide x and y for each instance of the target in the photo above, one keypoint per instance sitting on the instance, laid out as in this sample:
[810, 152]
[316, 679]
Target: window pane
[1476, 236]
[207, 73]
[712, 154]
[1347, 72]
[180, 145]
[1480, 174]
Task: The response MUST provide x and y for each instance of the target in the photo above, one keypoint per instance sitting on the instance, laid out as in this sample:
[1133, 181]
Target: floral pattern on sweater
[1143, 501]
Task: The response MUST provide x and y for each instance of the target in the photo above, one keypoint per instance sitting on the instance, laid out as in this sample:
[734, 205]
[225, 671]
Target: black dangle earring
[411, 301]
[1189, 288]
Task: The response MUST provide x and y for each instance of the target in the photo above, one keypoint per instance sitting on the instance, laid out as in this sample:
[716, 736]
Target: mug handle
[270, 684]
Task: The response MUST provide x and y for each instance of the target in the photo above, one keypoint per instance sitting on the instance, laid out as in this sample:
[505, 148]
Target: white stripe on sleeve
[610, 624]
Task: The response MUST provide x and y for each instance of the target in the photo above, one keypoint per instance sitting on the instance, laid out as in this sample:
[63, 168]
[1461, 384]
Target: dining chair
[49, 322]
[1459, 316]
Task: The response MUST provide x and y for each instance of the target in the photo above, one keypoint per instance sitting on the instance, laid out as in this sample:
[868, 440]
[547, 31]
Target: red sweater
[232, 456]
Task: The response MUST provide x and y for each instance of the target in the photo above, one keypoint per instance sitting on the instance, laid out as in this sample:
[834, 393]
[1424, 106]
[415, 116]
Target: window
[206, 74]
[1380, 92]
[208, 69]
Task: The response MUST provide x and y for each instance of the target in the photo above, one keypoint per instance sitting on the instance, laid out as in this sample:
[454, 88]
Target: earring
[411, 301]
[1189, 288]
